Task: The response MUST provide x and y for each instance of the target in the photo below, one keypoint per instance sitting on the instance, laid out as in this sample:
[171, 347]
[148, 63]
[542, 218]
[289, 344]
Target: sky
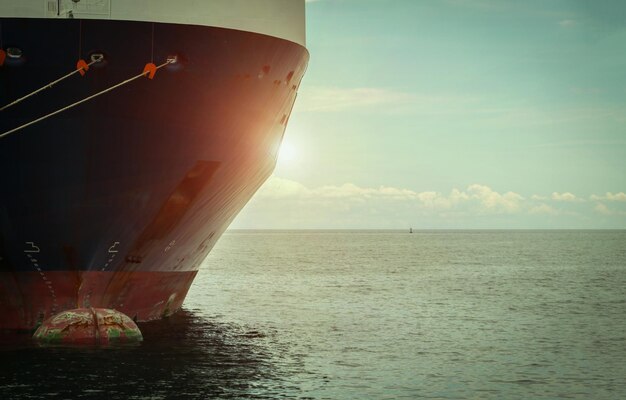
[455, 114]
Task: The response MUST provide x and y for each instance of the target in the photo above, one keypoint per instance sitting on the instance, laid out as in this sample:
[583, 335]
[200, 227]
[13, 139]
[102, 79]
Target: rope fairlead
[81, 67]
[148, 72]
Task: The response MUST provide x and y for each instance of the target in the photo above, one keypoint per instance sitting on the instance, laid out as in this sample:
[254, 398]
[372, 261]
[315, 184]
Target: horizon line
[425, 229]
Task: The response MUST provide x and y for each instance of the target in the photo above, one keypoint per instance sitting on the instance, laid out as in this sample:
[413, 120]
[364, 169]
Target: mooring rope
[148, 72]
[80, 69]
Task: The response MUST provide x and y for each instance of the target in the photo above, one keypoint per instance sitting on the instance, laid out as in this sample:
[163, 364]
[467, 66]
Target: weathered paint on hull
[28, 299]
[116, 203]
[90, 326]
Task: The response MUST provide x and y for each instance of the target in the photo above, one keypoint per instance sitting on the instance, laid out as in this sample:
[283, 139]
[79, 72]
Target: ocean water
[368, 314]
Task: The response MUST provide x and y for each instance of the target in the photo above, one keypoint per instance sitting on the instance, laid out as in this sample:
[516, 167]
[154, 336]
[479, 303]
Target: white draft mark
[35, 263]
[112, 253]
[32, 248]
[112, 248]
[169, 246]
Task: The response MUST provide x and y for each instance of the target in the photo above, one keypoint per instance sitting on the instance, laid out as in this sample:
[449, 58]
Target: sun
[287, 153]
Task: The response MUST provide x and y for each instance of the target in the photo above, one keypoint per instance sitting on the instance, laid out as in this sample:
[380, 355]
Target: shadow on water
[184, 356]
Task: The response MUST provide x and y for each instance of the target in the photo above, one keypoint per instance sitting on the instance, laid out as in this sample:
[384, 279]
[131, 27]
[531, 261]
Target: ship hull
[115, 203]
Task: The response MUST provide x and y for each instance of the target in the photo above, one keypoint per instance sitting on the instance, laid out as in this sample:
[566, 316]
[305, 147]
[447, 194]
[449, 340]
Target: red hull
[27, 301]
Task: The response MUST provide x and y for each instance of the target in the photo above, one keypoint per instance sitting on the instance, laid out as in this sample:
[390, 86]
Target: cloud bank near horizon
[283, 203]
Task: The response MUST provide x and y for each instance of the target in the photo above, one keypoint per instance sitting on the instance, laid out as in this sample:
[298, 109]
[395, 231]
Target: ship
[132, 132]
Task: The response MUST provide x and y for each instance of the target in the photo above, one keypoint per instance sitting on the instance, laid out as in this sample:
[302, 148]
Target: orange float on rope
[82, 66]
[3, 55]
[149, 70]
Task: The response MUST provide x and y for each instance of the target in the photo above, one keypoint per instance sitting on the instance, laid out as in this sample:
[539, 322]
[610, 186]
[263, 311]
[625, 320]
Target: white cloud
[330, 99]
[283, 203]
[482, 198]
[276, 188]
[543, 209]
[602, 209]
[508, 202]
[567, 196]
[621, 196]
[567, 23]
[372, 99]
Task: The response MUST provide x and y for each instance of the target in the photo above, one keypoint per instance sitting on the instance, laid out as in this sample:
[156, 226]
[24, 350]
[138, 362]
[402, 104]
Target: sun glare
[287, 153]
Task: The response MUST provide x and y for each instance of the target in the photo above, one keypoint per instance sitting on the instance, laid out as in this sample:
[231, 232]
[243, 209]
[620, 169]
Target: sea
[367, 315]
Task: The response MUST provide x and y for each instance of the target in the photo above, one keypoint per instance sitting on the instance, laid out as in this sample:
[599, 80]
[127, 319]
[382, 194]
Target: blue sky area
[455, 114]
